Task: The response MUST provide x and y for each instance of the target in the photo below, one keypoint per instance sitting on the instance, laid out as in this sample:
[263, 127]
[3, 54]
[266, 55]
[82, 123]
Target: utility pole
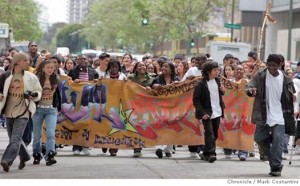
[232, 20]
[290, 30]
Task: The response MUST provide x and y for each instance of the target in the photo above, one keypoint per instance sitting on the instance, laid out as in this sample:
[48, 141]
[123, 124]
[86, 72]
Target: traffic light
[192, 43]
[145, 21]
[145, 17]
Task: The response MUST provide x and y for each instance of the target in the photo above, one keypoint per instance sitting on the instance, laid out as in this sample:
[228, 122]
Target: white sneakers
[86, 151]
[194, 155]
[76, 152]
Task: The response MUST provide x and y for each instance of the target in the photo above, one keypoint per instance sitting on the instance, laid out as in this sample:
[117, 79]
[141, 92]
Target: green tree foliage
[22, 17]
[117, 23]
[71, 36]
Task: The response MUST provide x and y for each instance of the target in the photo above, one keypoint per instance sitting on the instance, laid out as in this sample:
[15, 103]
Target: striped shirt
[84, 76]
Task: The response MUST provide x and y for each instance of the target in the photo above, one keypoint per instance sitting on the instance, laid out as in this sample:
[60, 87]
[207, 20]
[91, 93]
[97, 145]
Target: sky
[57, 10]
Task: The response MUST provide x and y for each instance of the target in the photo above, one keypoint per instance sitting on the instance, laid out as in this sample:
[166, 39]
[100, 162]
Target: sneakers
[252, 154]
[104, 150]
[76, 152]
[194, 155]
[228, 156]
[22, 162]
[284, 156]
[86, 151]
[212, 158]
[113, 154]
[5, 166]
[137, 154]
[159, 153]
[168, 155]
[50, 158]
[276, 172]
[263, 158]
[242, 157]
[37, 158]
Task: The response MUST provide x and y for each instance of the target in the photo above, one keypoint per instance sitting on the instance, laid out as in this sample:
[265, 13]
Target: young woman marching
[47, 109]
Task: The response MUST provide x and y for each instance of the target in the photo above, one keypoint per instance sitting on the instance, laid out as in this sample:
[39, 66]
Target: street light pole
[290, 30]
[232, 20]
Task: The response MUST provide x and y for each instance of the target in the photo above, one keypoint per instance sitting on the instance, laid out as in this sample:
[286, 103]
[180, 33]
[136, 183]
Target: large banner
[123, 114]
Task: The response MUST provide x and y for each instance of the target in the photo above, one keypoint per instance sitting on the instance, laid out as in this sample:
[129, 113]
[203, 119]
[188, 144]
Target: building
[277, 34]
[78, 10]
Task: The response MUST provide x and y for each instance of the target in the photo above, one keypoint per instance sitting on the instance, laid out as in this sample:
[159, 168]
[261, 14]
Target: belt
[44, 106]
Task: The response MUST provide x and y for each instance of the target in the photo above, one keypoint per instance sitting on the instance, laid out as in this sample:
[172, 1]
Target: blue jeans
[15, 129]
[285, 143]
[264, 137]
[50, 116]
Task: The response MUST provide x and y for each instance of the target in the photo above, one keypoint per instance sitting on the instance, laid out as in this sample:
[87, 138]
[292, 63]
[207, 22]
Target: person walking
[47, 109]
[209, 105]
[82, 73]
[273, 111]
[18, 91]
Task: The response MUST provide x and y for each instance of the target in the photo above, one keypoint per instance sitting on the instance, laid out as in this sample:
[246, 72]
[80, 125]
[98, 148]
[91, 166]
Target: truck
[218, 50]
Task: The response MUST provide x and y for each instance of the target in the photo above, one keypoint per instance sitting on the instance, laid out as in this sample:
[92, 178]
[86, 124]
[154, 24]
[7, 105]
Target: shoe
[37, 158]
[194, 155]
[60, 146]
[5, 166]
[50, 159]
[242, 157]
[137, 154]
[168, 155]
[212, 158]
[113, 154]
[228, 156]
[252, 154]
[297, 149]
[86, 151]
[76, 152]
[263, 158]
[276, 172]
[159, 153]
[202, 157]
[284, 156]
[23, 163]
[104, 150]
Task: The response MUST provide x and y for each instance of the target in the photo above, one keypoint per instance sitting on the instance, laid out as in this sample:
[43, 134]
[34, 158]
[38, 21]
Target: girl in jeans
[47, 109]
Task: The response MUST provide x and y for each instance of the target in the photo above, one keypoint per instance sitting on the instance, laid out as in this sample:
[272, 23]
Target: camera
[29, 93]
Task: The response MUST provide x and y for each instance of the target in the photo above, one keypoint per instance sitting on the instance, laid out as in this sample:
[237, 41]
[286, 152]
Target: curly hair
[274, 58]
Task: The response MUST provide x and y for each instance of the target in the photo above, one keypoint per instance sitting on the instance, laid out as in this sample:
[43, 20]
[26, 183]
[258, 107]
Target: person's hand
[205, 117]
[222, 88]
[1, 97]
[77, 80]
[253, 91]
[190, 77]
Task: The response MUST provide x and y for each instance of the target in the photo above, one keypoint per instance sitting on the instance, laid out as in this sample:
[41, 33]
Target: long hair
[207, 68]
[42, 77]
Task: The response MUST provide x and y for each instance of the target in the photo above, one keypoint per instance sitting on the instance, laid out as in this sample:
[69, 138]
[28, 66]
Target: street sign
[4, 30]
[234, 26]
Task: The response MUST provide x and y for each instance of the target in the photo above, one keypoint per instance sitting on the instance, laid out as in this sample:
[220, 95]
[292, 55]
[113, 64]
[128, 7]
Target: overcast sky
[57, 10]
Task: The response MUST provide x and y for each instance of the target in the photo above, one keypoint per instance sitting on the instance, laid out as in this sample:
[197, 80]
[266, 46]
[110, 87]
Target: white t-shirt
[274, 88]
[214, 98]
[297, 94]
[101, 73]
[194, 71]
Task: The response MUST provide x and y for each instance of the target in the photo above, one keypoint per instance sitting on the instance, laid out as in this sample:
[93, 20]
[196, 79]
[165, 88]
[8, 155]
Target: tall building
[78, 10]
[277, 34]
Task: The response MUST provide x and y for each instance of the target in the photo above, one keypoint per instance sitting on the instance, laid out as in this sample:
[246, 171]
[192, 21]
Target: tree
[71, 36]
[22, 17]
[118, 22]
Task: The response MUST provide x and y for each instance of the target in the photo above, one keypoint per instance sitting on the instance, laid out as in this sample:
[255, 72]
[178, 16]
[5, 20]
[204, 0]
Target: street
[123, 166]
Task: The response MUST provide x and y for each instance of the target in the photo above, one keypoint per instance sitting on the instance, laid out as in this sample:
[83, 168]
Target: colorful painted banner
[123, 114]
